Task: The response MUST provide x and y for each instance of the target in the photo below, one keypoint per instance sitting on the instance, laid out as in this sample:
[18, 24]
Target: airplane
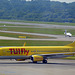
[67, 34]
[37, 53]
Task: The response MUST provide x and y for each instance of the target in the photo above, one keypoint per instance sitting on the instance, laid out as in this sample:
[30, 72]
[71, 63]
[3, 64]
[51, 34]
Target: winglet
[24, 44]
[71, 44]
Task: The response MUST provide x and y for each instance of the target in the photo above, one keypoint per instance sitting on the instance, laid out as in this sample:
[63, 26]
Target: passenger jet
[37, 53]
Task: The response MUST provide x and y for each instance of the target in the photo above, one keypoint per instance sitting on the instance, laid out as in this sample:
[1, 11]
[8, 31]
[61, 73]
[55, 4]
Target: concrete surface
[57, 37]
[8, 38]
[54, 67]
[42, 25]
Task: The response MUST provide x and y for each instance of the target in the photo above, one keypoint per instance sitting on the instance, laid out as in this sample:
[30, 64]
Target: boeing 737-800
[37, 53]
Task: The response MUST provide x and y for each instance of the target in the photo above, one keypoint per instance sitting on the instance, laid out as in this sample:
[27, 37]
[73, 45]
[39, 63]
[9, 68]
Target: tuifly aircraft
[37, 53]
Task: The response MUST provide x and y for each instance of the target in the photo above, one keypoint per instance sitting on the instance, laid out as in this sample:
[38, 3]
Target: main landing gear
[34, 61]
[45, 61]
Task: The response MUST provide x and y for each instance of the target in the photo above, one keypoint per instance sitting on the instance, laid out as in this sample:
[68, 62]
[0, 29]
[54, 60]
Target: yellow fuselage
[32, 50]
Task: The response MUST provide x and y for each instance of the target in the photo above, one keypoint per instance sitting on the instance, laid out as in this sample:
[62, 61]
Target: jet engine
[36, 58]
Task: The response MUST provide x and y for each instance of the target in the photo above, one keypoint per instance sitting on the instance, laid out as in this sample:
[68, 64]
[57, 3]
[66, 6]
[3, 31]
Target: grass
[70, 58]
[35, 43]
[32, 43]
[16, 35]
[2, 24]
[34, 30]
[38, 30]
[39, 22]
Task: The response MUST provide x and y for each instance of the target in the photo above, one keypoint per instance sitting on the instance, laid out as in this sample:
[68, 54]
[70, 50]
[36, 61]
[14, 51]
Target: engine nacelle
[20, 59]
[37, 58]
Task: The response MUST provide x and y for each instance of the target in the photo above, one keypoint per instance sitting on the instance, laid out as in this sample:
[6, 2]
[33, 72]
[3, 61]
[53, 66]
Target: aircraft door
[4, 52]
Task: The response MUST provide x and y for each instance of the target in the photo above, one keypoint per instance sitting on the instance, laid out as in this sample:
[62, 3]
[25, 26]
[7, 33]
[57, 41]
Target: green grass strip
[32, 43]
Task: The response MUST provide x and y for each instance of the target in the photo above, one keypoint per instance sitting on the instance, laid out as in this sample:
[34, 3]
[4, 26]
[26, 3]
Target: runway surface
[56, 37]
[35, 25]
[8, 38]
[54, 67]
[41, 25]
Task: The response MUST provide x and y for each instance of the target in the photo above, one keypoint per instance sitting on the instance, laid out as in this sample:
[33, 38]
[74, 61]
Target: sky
[67, 1]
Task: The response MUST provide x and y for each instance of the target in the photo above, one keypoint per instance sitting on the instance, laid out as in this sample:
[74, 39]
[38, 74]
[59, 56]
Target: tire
[44, 61]
[34, 61]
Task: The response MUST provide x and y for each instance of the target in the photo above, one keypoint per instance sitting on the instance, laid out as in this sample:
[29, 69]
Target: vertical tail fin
[71, 44]
[24, 44]
[65, 32]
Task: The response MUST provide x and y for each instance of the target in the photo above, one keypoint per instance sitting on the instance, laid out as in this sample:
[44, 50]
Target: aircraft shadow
[72, 64]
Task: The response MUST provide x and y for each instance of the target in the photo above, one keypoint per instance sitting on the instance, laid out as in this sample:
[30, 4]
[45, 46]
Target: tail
[65, 32]
[72, 44]
[24, 44]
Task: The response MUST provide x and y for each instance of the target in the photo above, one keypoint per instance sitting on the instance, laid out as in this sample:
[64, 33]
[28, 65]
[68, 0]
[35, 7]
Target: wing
[58, 55]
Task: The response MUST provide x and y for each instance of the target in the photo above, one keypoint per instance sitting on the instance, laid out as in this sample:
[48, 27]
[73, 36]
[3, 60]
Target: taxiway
[54, 67]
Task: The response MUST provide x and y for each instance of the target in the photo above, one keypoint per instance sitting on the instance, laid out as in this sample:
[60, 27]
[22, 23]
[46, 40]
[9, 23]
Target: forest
[46, 11]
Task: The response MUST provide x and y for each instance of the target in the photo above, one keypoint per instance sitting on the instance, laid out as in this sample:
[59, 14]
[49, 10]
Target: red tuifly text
[19, 51]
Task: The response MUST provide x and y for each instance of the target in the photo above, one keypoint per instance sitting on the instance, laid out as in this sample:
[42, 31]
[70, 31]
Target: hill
[48, 11]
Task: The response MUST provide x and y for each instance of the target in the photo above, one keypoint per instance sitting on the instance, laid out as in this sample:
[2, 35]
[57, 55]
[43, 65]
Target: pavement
[53, 67]
[41, 25]
[56, 37]
[35, 25]
[8, 38]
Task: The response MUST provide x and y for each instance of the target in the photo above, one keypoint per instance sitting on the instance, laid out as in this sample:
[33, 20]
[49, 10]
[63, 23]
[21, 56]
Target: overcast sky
[68, 1]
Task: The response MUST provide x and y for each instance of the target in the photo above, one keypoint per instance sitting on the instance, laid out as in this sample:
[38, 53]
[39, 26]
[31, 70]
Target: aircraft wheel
[34, 61]
[44, 61]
